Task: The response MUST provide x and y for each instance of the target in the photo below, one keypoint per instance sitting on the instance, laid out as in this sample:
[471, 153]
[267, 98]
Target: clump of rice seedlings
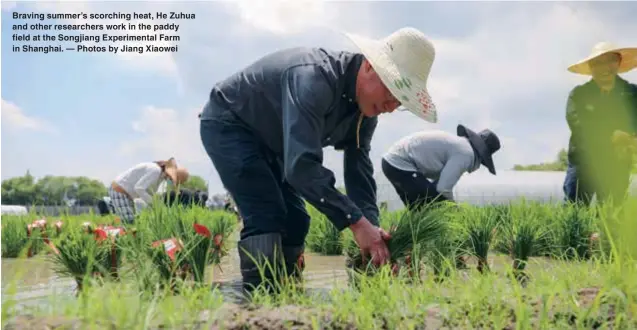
[477, 228]
[323, 237]
[524, 237]
[181, 242]
[206, 238]
[409, 235]
[222, 226]
[80, 256]
[39, 232]
[203, 247]
[14, 237]
[168, 258]
[574, 233]
[158, 243]
[442, 255]
[109, 235]
[501, 213]
[504, 219]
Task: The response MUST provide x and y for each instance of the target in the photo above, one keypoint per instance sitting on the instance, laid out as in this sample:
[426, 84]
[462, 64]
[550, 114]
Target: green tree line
[57, 190]
[559, 164]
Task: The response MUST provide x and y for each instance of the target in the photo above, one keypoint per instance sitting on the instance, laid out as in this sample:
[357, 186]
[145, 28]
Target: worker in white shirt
[424, 167]
[142, 181]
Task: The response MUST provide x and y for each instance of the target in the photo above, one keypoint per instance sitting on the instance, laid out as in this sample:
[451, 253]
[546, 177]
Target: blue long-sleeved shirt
[298, 101]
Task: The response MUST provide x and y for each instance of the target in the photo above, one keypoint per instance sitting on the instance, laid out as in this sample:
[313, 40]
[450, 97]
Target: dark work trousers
[580, 188]
[253, 176]
[413, 188]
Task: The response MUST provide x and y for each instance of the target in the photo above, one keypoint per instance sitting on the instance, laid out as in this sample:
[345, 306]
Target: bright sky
[500, 65]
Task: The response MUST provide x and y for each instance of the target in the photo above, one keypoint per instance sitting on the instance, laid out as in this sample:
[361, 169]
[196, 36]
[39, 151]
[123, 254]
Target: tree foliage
[560, 164]
[52, 190]
[65, 190]
[195, 182]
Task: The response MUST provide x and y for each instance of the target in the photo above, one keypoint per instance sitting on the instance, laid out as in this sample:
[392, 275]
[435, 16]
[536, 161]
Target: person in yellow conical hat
[602, 117]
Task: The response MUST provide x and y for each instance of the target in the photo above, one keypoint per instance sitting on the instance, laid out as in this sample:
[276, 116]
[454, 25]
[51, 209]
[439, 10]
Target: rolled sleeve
[307, 96]
[359, 172]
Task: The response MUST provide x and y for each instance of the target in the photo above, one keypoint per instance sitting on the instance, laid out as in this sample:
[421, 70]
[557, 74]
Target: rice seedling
[180, 242]
[15, 241]
[477, 228]
[200, 249]
[39, 232]
[574, 233]
[323, 237]
[409, 234]
[169, 259]
[441, 255]
[81, 256]
[524, 237]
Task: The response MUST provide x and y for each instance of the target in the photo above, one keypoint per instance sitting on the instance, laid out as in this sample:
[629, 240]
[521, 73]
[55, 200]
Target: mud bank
[555, 312]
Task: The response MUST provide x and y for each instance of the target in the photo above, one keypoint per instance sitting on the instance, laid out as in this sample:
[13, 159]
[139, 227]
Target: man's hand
[371, 241]
[622, 138]
[625, 144]
[385, 235]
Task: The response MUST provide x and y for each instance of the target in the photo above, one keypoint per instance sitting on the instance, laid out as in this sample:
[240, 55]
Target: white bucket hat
[628, 62]
[403, 61]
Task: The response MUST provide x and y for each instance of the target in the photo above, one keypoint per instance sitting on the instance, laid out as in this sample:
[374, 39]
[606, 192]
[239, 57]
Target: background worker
[602, 117]
[142, 181]
[424, 167]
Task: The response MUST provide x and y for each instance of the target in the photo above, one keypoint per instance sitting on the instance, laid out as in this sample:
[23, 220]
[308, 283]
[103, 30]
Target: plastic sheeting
[13, 210]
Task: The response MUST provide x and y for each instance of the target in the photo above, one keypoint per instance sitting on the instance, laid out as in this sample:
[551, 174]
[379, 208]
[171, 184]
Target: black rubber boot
[294, 262]
[266, 251]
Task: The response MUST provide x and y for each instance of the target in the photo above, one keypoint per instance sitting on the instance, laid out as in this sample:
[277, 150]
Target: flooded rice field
[33, 281]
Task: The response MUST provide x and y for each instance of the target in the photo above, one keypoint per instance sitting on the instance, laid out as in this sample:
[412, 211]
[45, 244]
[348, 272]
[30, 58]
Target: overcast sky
[498, 65]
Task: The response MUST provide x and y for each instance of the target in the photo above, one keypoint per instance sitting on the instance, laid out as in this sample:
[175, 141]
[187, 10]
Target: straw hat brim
[176, 174]
[486, 157]
[416, 99]
[629, 61]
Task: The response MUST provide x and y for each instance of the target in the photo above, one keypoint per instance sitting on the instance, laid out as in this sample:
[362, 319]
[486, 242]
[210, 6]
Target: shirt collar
[351, 74]
[476, 163]
[620, 86]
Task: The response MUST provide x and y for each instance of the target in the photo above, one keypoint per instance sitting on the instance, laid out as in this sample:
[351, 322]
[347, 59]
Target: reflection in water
[32, 281]
[37, 283]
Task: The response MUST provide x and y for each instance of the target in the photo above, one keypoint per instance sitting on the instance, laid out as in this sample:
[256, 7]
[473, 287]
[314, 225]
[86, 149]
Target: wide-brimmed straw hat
[628, 61]
[403, 61]
[485, 143]
[177, 174]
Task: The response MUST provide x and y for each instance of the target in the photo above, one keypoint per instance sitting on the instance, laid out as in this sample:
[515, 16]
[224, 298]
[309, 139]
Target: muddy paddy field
[521, 266]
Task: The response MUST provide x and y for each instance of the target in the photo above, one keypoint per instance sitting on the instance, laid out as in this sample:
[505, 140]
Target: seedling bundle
[412, 234]
[203, 246]
[157, 251]
[40, 227]
[87, 252]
